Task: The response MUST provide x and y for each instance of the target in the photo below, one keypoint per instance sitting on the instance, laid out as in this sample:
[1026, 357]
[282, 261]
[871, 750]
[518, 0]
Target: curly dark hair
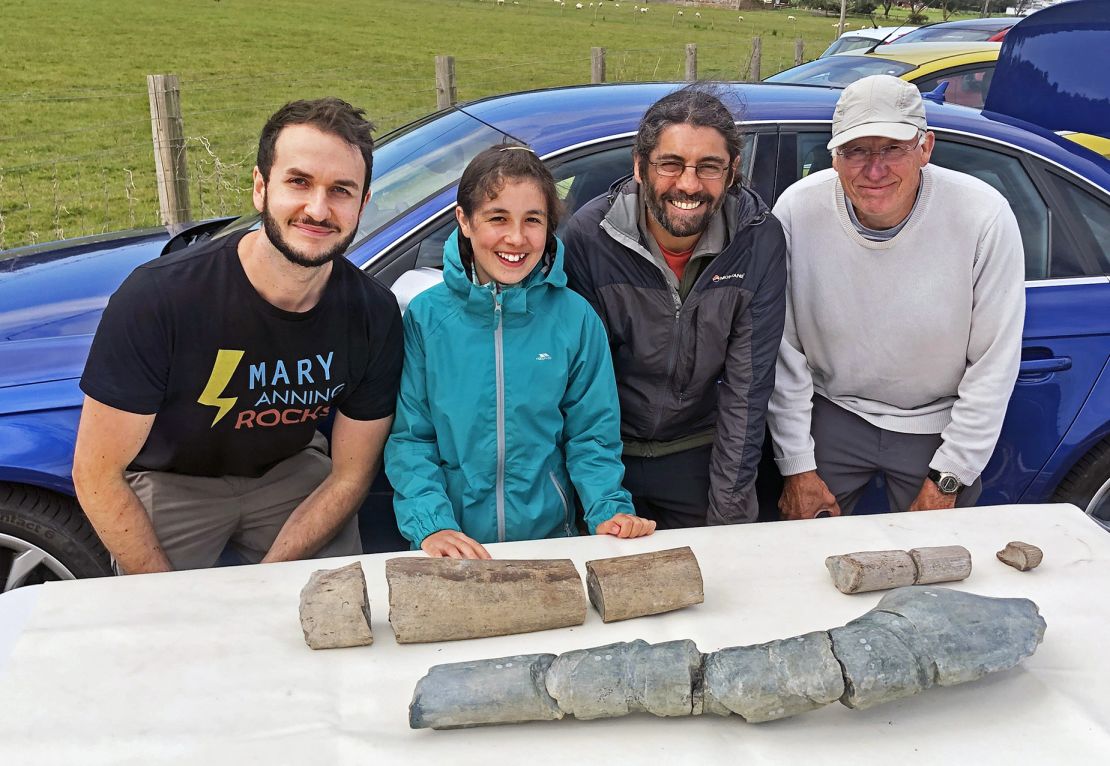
[699, 104]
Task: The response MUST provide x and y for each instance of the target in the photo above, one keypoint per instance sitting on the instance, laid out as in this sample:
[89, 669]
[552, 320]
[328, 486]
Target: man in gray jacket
[687, 269]
[904, 317]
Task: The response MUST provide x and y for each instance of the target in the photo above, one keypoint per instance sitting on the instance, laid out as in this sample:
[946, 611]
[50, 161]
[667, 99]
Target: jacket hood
[742, 207]
[548, 274]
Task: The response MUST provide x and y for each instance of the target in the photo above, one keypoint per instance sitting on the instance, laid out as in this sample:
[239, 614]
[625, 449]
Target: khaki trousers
[196, 517]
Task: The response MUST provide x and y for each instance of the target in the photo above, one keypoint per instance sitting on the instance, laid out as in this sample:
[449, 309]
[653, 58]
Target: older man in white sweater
[904, 316]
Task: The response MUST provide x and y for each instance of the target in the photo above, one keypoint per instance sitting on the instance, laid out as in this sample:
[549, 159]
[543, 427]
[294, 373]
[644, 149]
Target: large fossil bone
[917, 637]
[450, 599]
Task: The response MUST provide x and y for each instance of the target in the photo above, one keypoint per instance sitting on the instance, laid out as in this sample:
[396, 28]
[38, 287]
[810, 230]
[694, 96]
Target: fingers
[447, 543]
[806, 496]
[626, 526]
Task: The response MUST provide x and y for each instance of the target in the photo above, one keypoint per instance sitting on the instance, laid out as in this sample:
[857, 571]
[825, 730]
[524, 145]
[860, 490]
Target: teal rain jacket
[507, 401]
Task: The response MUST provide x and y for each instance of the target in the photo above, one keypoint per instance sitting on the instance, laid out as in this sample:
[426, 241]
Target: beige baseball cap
[879, 105]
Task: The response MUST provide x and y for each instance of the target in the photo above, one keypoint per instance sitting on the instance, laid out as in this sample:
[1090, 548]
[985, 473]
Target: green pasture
[75, 143]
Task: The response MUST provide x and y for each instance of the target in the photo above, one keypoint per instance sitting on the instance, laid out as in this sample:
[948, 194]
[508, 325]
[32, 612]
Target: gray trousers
[196, 517]
[850, 451]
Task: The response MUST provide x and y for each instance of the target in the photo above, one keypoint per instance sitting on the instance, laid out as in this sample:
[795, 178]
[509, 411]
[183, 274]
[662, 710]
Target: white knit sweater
[919, 334]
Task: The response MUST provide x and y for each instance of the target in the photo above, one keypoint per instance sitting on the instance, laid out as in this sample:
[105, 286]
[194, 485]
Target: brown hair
[328, 115]
[485, 177]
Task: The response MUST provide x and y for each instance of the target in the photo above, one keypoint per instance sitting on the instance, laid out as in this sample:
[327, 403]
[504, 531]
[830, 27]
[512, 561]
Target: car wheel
[1088, 484]
[44, 536]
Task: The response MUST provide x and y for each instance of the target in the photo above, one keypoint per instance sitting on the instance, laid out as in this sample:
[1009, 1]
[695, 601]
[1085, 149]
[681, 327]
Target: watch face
[948, 484]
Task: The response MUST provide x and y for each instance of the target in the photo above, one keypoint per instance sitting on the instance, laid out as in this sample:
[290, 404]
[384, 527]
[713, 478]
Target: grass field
[75, 143]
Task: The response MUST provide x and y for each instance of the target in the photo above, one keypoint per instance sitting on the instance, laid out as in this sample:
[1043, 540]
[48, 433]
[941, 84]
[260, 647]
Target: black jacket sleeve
[747, 383]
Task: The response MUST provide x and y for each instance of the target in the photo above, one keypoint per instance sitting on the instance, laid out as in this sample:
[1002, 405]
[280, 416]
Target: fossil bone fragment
[1021, 556]
[449, 599]
[335, 611]
[917, 637]
[647, 583]
[879, 570]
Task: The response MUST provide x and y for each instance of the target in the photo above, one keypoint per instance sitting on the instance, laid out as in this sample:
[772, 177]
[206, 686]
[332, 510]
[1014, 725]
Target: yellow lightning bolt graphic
[222, 370]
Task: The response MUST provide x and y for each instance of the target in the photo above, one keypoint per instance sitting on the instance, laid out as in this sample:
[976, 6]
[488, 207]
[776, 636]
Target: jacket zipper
[566, 504]
[672, 360]
[499, 364]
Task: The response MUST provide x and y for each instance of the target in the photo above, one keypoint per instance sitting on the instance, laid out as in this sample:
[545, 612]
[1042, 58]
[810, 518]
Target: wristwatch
[947, 483]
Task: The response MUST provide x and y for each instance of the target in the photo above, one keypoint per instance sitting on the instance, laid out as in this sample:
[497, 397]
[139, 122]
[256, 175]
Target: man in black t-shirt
[213, 367]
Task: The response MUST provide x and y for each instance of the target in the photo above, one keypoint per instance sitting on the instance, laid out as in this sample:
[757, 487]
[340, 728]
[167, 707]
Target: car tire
[1088, 484]
[45, 536]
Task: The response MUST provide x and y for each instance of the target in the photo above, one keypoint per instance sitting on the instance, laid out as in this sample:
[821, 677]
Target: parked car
[1055, 444]
[964, 31]
[860, 40]
[966, 67]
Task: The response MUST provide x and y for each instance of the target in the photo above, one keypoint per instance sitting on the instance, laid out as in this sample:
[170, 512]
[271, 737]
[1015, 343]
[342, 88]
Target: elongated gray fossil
[915, 638]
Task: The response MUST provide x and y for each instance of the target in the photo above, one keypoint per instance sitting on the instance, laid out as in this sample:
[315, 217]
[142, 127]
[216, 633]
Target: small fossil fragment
[647, 583]
[917, 637]
[879, 570]
[1021, 556]
[335, 611]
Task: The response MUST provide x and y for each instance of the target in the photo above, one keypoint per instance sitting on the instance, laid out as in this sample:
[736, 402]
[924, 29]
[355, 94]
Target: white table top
[210, 667]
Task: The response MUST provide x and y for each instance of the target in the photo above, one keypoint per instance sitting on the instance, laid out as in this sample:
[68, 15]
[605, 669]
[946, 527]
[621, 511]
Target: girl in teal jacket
[508, 403]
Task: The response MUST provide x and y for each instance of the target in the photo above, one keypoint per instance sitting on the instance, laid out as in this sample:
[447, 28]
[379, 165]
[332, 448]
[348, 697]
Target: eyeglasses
[672, 168]
[858, 157]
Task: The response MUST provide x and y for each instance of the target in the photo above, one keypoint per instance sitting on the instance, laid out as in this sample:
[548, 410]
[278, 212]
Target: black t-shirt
[238, 384]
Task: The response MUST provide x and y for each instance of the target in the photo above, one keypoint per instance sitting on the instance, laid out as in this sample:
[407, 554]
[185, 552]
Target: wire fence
[92, 169]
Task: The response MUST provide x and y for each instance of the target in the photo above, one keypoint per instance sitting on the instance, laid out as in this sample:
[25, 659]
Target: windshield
[846, 44]
[949, 35]
[840, 71]
[417, 161]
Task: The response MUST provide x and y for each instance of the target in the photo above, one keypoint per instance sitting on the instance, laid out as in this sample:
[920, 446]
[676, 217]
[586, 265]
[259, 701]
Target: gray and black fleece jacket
[695, 371]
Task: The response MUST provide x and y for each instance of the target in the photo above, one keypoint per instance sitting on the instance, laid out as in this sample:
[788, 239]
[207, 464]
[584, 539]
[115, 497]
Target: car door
[1067, 324]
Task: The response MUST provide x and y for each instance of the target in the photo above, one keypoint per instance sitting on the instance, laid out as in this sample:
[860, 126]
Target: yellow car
[967, 67]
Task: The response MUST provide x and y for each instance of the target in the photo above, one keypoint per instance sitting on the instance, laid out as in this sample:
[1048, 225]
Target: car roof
[539, 118]
[919, 54]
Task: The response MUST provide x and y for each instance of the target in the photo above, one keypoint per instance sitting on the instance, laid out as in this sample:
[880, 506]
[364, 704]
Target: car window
[840, 71]
[813, 153]
[1002, 171]
[1006, 174]
[966, 87]
[579, 180]
[1089, 224]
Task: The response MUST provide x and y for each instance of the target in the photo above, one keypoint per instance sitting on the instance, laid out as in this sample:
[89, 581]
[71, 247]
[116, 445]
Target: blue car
[1055, 444]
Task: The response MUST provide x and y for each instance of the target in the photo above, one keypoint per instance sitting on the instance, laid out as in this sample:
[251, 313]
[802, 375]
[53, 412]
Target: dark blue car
[1055, 444]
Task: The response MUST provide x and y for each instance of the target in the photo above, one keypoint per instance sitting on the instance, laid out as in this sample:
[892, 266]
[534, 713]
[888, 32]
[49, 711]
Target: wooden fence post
[597, 65]
[170, 162]
[691, 62]
[447, 93]
[757, 55]
[799, 51]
